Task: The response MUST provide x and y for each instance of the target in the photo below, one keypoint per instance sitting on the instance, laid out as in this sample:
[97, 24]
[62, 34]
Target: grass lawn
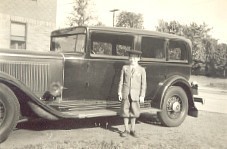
[210, 82]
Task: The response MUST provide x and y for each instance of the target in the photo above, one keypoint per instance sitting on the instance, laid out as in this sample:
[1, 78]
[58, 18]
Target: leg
[126, 132]
[125, 114]
[135, 112]
[126, 120]
[133, 123]
[125, 105]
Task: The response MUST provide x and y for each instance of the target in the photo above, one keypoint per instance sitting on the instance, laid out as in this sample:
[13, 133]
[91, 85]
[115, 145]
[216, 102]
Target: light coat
[132, 83]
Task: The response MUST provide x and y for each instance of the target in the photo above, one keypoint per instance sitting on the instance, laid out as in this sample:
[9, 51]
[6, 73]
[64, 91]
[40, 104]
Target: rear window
[153, 48]
[177, 51]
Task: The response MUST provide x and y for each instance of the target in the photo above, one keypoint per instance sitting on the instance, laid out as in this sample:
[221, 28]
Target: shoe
[134, 134]
[125, 133]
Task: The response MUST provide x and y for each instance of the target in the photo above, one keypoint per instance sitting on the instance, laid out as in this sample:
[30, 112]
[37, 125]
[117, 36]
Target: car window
[153, 48]
[177, 51]
[80, 43]
[120, 49]
[111, 44]
[103, 48]
[72, 43]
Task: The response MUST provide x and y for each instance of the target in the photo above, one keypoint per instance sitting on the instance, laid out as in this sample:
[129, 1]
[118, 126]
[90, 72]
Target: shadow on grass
[147, 118]
[68, 124]
[150, 118]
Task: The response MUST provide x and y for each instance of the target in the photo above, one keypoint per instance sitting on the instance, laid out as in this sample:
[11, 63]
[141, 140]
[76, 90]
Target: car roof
[127, 30]
[134, 31]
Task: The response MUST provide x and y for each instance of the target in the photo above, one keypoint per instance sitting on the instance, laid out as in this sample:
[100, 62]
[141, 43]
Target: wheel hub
[176, 107]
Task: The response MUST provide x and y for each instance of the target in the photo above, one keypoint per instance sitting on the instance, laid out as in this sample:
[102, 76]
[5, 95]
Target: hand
[141, 99]
[120, 97]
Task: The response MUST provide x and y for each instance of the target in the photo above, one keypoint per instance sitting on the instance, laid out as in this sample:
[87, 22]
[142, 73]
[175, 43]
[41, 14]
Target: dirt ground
[207, 131]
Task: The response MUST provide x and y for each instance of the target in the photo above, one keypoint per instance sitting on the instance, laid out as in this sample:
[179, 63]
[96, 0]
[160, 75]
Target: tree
[173, 27]
[209, 45]
[130, 20]
[205, 49]
[81, 13]
[198, 34]
[99, 23]
[221, 58]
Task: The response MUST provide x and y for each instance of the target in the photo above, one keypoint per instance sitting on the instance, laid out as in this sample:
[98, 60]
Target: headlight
[56, 89]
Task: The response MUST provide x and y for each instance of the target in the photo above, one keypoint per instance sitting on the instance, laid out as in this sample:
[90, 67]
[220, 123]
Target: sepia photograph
[113, 74]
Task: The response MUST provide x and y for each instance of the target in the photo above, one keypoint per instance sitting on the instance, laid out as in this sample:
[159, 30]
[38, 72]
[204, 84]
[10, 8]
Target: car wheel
[174, 108]
[9, 111]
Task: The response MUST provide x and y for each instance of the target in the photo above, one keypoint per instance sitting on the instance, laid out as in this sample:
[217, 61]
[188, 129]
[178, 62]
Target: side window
[110, 44]
[120, 49]
[177, 51]
[153, 48]
[103, 48]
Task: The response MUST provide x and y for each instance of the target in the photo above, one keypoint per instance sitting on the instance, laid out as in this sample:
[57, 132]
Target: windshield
[69, 43]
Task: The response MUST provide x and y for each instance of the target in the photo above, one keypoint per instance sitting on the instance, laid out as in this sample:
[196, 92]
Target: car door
[154, 60]
[108, 55]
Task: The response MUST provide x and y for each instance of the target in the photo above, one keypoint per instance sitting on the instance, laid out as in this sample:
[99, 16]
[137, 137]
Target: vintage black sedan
[79, 77]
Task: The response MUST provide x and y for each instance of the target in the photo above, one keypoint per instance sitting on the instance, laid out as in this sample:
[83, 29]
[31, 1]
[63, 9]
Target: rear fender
[174, 81]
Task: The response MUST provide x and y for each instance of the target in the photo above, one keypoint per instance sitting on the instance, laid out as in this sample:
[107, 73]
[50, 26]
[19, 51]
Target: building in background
[27, 24]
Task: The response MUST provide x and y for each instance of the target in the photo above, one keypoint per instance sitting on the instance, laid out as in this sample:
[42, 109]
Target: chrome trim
[63, 76]
[24, 54]
[33, 74]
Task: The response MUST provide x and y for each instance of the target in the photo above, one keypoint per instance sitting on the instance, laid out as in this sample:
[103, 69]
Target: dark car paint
[37, 70]
[86, 77]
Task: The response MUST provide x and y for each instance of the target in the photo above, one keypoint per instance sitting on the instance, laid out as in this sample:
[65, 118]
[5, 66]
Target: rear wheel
[9, 111]
[174, 108]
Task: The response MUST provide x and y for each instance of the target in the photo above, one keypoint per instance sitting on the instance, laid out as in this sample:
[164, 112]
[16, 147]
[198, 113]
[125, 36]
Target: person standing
[131, 91]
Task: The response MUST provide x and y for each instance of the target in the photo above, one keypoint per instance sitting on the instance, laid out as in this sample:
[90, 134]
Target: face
[134, 60]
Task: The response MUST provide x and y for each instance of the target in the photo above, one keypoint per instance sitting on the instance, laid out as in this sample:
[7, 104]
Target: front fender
[175, 80]
[10, 80]
[42, 108]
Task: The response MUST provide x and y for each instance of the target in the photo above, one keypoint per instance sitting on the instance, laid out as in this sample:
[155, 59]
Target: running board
[103, 113]
[82, 106]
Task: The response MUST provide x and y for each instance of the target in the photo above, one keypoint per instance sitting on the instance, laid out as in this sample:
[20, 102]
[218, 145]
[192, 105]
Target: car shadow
[150, 118]
[67, 124]
[108, 123]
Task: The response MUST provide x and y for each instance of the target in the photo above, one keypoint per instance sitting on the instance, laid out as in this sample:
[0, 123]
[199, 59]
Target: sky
[212, 12]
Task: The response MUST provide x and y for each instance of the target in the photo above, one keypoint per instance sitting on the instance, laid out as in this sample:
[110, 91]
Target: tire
[9, 111]
[174, 108]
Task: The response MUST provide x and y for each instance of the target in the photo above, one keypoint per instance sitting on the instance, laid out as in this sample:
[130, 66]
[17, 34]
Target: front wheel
[9, 111]
[174, 108]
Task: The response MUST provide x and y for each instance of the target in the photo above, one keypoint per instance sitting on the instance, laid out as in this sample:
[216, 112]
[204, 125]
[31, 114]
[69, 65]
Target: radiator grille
[33, 74]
